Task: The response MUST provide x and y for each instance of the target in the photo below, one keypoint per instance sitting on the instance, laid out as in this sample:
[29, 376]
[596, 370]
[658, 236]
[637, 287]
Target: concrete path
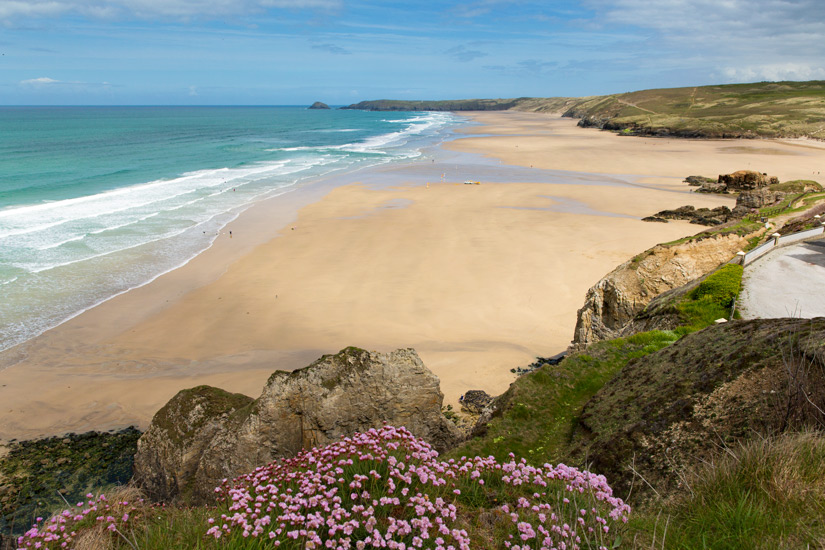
[787, 282]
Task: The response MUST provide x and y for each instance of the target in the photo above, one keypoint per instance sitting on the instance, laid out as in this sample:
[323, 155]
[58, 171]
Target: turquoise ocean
[95, 201]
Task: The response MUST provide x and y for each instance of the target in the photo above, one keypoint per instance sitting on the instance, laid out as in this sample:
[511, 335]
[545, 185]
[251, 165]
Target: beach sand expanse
[479, 279]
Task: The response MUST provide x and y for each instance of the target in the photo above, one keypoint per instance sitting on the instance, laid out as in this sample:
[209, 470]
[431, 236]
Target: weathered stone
[698, 180]
[169, 452]
[474, 401]
[711, 187]
[613, 302]
[186, 452]
[759, 198]
[744, 180]
[319, 105]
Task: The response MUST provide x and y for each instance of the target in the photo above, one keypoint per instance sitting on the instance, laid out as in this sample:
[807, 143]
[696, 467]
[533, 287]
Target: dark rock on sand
[474, 401]
[700, 216]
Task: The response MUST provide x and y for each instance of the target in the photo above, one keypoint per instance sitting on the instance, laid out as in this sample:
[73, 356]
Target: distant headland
[758, 110]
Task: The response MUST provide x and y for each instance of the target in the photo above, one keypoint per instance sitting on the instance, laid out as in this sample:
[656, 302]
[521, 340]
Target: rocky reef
[699, 216]
[204, 435]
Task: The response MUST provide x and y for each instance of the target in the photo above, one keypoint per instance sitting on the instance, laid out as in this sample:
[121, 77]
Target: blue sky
[287, 52]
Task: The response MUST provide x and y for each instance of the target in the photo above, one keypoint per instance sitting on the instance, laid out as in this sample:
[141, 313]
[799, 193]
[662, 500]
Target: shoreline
[478, 283]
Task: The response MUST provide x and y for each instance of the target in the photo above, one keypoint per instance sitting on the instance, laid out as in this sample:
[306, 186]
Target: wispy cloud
[42, 81]
[462, 53]
[331, 48]
[775, 72]
[45, 82]
[153, 9]
[525, 68]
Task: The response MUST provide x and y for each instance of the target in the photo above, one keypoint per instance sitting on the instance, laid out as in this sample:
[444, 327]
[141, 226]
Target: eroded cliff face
[624, 292]
[193, 443]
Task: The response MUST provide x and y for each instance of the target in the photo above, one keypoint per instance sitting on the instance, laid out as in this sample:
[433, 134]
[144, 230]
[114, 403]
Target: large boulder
[744, 180]
[191, 445]
[169, 452]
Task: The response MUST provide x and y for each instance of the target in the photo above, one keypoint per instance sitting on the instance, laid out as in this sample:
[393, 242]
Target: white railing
[781, 241]
[801, 236]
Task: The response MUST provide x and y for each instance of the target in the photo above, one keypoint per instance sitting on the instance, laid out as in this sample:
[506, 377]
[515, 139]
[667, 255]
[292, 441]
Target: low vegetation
[768, 493]
[380, 489]
[40, 476]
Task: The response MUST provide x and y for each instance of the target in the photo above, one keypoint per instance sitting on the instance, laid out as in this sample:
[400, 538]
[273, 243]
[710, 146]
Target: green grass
[541, 409]
[743, 228]
[765, 494]
[766, 109]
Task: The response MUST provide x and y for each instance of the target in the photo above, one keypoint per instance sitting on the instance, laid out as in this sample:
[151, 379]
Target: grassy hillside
[764, 109]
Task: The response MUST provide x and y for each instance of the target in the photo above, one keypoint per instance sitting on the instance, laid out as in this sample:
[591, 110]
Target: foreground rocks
[672, 409]
[204, 435]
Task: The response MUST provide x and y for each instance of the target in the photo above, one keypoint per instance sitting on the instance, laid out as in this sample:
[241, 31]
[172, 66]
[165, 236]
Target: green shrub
[720, 287]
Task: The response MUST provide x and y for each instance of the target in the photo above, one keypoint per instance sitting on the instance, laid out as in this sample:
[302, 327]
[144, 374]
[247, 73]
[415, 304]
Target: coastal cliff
[204, 435]
[623, 293]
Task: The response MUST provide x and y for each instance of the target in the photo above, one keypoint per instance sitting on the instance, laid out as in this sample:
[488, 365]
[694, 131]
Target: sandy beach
[479, 279]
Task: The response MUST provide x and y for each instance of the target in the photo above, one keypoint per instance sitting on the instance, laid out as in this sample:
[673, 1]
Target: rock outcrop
[613, 302]
[736, 182]
[674, 408]
[319, 105]
[205, 435]
[699, 216]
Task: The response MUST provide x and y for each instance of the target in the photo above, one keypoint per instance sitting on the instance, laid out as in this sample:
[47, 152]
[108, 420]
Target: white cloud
[776, 72]
[152, 9]
[737, 40]
[42, 81]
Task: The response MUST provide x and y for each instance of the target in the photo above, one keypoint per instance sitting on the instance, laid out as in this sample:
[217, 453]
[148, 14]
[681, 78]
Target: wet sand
[478, 279]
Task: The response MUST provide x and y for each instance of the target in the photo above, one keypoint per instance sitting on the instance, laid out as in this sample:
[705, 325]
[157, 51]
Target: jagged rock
[759, 198]
[701, 216]
[713, 187]
[624, 292]
[654, 219]
[474, 401]
[698, 180]
[192, 444]
[744, 180]
[319, 105]
[675, 408]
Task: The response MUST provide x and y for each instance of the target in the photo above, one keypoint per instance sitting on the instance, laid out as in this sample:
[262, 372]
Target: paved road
[787, 282]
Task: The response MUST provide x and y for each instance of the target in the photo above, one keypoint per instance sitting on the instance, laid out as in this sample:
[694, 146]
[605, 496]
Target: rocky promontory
[204, 435]
[617, 298]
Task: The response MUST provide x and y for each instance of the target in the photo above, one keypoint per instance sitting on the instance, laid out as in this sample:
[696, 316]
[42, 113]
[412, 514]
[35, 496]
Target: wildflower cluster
[387, 489]
[62, 529]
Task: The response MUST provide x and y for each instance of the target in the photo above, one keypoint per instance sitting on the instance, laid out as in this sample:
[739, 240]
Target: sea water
[95, 201]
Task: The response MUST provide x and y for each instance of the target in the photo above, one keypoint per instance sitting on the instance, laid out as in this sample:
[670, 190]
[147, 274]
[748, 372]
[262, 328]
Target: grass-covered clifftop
[761, 109]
